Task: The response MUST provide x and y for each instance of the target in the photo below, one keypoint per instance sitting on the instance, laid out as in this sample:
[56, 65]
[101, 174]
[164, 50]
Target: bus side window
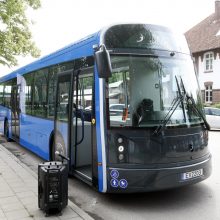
[63, 99]
[1, 93]
[85, 96]
[40, 93]
[51, 91]
[28, 93]
[7, 93]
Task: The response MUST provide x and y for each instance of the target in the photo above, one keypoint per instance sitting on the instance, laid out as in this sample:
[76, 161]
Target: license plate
[192, 174]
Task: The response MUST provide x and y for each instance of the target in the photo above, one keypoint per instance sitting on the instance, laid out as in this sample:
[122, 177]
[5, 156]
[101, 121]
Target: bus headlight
[120, 140]
[121, 156]
[121, 148]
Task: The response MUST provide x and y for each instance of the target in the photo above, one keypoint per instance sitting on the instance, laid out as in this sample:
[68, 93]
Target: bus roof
[74, 50]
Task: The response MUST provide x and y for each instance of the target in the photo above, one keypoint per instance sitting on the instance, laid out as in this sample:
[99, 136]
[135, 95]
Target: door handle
[82, 118]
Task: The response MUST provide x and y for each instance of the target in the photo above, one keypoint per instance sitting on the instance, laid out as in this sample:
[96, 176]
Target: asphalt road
[200, 201]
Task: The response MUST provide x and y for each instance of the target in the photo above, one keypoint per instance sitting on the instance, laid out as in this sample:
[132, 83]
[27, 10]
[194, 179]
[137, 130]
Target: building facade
[204, 44]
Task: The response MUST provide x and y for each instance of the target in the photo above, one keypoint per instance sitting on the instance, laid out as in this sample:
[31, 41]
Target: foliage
[15, 36]
[216, 105]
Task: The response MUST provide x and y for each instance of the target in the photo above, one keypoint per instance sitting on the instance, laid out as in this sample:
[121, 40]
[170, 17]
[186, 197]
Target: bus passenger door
[73, 121]
[15, 112]
[62, 115]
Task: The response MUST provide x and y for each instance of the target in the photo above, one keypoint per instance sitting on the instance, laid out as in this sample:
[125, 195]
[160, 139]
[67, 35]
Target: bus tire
[6, 130]
[58, 145]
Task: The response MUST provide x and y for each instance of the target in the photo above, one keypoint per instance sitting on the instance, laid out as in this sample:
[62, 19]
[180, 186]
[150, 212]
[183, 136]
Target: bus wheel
[6, 130]
[58, 145]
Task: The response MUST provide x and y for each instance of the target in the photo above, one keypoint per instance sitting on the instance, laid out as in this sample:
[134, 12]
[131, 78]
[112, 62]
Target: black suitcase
[52, 186]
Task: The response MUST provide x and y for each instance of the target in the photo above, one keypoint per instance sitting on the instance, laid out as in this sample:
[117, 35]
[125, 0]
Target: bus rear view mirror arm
[103, 62]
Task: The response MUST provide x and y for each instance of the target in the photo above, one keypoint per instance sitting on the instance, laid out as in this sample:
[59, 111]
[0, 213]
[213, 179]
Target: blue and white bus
[123, 104]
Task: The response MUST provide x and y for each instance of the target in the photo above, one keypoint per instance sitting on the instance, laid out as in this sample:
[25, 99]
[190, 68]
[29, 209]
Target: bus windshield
[143, 90]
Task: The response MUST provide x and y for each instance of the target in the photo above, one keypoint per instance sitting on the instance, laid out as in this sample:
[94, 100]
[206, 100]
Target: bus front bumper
[121, 180]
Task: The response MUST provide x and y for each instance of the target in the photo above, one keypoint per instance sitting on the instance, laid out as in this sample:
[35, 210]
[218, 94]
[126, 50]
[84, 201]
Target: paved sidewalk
[18, 193]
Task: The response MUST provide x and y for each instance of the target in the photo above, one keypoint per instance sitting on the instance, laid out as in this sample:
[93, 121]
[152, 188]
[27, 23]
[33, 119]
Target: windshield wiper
[193, 104]
[183, 96]
[179, 99]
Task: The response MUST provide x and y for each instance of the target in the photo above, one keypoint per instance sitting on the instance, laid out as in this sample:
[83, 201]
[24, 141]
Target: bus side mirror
[103, 62]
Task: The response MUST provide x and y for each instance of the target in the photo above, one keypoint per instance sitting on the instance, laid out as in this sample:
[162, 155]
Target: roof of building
[205, 35]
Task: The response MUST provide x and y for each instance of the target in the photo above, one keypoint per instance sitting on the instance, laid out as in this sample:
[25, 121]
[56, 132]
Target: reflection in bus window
[85, 95]
[1, 94]
[7, 93]
[28, 93]
[63, 98]
[40, 93]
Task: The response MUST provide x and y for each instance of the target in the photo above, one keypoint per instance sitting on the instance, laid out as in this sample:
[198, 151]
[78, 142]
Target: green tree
[15, 36]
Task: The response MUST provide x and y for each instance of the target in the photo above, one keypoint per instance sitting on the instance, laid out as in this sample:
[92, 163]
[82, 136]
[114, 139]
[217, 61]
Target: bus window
[85, 96]
[63, 99]
[7, 93]
[40, 93]
[51, 91]
[1, 93]
[52, 77]
[119, 95]
[28, 93]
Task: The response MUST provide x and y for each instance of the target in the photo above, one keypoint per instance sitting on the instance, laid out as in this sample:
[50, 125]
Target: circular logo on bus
[123, 183]
[114, 174]
[114, 183]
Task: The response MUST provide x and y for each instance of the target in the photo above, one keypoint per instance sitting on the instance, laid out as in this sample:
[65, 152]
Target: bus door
[15, 112]
[73, 126]
[63, 115]
[83, 128]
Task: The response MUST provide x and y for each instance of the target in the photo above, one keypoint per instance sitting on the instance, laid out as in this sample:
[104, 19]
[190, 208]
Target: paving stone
[20, 189]
[4, 187]
[32, 207]
[8, 200]
[74, 218]
[16, 180]
[7, 174]
[31, 183]
[2, 168]
[26, 194]
[17, 214]
[2, 215]
[37, 213]
[68, 213]
[16, 184]
[70, 218]
[28, 218]
[7, 193]
[12, 207]
[29, 200]
[47, 218]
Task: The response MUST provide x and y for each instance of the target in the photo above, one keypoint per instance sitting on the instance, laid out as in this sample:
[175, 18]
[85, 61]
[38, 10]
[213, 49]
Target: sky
[60, 22]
